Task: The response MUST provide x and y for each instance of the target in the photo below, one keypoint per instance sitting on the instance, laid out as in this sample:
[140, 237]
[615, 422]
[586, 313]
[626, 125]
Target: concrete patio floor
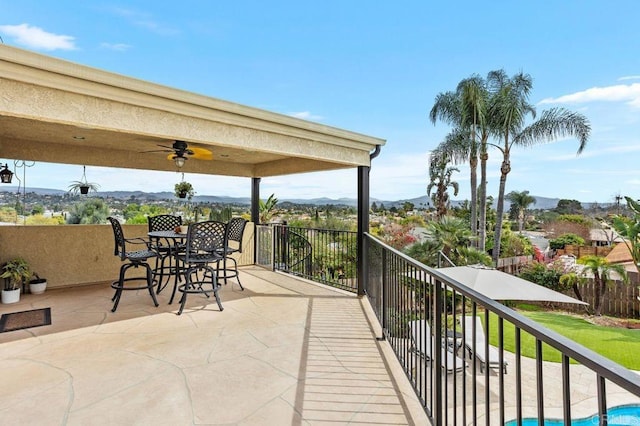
[283, 352]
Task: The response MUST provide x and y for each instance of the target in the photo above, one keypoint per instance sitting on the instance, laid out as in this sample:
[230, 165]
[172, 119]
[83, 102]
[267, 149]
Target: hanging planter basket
[184, 190]
[82, 186]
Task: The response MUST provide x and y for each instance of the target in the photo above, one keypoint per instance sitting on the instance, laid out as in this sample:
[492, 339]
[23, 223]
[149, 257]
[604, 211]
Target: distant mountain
[40, 191]
[424, 201]
[542, 203]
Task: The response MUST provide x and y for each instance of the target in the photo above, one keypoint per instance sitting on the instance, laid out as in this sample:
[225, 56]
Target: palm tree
[601, 270]
[521, 201]
[507, 114]
[452, 237]
[573, 280]
[440, 178]
[629, 228]
[465, 110]
[266, 208]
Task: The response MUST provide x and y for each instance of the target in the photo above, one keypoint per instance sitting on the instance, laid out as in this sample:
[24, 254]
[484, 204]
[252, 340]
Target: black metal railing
[423, 317]
[323, 255]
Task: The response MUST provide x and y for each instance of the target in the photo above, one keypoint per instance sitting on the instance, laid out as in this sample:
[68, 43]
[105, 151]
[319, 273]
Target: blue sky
[369, 67]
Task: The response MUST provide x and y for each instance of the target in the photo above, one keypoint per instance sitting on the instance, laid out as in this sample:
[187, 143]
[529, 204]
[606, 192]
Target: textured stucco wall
[57, 111]
[71, 255]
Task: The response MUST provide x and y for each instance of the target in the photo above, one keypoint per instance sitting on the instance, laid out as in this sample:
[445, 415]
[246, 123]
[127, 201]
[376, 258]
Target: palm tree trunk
[504, 170]
[598, 296]
[603, 295]
[482, 237]
[576, 290]
[520, 220]
[473, 165]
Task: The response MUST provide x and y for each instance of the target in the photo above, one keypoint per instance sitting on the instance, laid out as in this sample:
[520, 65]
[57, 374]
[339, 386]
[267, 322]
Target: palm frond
[553, 124]
[456, 146]
[446, 107]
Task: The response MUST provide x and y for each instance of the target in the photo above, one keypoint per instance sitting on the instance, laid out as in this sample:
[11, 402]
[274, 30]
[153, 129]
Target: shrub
[566, 239]
[545, 275]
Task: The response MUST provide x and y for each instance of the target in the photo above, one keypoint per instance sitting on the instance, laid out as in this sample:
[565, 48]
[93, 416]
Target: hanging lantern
[5, 174]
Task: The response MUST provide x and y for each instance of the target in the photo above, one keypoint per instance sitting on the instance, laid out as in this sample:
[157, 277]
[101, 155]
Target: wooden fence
[512, 265]
[579, 251]
[621, 300]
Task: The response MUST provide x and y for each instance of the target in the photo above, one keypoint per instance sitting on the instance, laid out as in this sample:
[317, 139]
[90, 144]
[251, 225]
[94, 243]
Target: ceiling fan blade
[173, 155]
[201, 153]
[156, 150]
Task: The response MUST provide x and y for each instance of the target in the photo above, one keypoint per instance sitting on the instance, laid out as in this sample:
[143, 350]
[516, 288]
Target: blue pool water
[624, 415]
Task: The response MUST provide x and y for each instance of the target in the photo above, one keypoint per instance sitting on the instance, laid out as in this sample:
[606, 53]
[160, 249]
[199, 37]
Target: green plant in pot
[15, 272]
[82, 186]
[184, 190]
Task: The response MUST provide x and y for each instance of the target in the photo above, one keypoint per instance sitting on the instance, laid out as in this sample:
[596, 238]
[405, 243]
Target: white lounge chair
[477, 348]
[421, 338]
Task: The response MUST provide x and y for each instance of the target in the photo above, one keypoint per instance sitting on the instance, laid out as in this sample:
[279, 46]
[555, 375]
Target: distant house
[621, 255]
[604, 237]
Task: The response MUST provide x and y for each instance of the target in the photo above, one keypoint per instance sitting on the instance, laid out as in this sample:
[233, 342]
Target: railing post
[383, 293]
[436, 344]
[274, 243]
[284, 241]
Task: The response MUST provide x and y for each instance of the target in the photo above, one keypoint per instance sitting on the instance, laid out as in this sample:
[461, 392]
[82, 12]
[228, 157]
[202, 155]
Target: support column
[255, 200]
[363, 225]
[255, 213]
[363, 221]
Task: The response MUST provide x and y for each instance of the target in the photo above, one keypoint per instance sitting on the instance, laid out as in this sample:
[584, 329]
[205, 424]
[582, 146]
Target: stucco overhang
[57, 111]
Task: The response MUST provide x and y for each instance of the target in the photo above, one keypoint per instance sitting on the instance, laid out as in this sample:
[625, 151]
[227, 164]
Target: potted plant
[184, 190]
[15, 272]
[82, 186]
[37, 285]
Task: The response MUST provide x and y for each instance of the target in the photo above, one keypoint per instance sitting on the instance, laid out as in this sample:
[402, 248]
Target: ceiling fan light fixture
[179, 160]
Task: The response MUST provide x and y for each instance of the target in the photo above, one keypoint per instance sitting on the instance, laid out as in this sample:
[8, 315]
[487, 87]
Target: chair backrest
[164, 222]
[469, 322]
[205, 240]
[421, 334]
[118, 236]
[235, 230]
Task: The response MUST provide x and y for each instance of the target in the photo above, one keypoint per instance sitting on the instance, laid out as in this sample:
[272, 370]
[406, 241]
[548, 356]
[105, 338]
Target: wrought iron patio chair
[167, 249]
[233, 244]
[133, 259]
[205, 241]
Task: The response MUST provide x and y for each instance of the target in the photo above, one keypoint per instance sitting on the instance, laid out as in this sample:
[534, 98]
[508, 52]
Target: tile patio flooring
[283, 352]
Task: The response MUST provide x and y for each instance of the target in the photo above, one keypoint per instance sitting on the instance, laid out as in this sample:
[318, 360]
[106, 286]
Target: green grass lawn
[621, 345]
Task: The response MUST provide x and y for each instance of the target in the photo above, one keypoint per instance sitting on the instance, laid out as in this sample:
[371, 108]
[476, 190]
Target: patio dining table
[173, 239]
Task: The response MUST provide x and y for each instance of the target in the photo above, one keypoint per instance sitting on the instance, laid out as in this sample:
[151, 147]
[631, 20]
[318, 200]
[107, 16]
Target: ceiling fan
[180, 152]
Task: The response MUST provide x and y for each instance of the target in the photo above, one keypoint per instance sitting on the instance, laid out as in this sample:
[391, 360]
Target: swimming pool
[623, 415]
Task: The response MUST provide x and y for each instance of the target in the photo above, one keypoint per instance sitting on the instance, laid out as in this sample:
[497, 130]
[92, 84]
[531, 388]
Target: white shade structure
[499, 285]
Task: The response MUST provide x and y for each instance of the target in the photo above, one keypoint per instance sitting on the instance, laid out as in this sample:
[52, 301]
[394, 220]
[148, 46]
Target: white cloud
[598, 153]
[629, 77]
[37, 38]
[306, 115]
[145, 20]
[399, 176]
[120, 47]
[629, 93]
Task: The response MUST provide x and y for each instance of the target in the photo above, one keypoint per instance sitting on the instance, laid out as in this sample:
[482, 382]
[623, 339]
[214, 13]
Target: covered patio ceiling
[57, 111]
